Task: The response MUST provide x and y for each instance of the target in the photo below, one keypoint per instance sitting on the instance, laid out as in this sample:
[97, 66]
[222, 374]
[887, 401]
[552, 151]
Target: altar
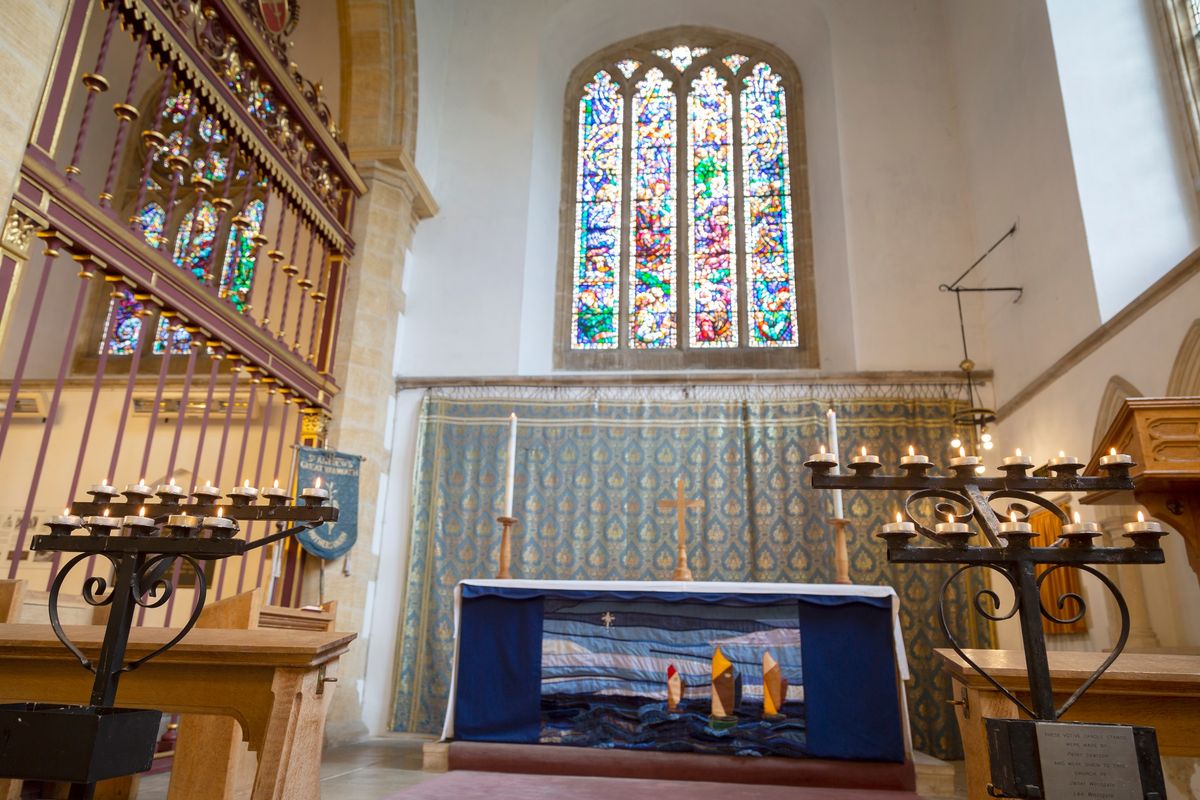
[757, 669]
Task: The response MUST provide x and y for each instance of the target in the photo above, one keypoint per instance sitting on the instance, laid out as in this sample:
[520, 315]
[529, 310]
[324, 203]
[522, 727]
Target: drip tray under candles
[76, 744]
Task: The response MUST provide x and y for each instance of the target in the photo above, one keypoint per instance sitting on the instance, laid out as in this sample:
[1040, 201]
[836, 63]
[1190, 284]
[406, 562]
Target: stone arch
[1185, 374]
[1110, 403]
[378, 76]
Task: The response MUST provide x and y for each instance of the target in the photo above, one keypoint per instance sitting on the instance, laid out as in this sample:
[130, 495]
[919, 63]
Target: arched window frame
[683, 356]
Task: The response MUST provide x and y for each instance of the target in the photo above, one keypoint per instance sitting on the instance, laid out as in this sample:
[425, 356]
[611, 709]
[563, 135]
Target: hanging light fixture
[971, 422]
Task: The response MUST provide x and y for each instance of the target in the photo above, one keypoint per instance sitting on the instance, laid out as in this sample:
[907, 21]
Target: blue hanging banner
[339, 474]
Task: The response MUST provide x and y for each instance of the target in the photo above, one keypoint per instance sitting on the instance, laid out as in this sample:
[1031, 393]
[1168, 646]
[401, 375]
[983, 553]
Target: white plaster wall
[1139, 207]
[887, 183]
[1018, 166]
[1063, 415]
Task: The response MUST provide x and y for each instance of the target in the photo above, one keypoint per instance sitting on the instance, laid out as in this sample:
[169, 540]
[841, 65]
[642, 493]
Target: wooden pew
[274, 683]
[211, 761]
[1159, 690]
[12, 597]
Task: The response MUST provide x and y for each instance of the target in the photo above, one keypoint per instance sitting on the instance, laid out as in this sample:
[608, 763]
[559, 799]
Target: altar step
[864, 777]
[472, 785]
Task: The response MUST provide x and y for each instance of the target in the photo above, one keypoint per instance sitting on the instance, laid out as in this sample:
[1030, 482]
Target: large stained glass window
[237, 273]
[180, 339]
[597, 262]
[127, 326]
[150, 221]
[706, 207]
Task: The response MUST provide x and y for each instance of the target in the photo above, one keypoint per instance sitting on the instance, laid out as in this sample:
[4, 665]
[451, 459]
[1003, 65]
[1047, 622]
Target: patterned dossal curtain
[591, 468]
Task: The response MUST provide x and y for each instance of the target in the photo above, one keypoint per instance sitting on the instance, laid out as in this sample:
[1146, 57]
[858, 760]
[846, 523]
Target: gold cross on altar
[680, 506]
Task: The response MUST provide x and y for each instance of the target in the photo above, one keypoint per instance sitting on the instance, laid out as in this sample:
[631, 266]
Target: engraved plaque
[1091, 762]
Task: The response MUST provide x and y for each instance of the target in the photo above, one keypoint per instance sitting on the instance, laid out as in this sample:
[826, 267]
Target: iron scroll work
[965, 498]
[156, 539]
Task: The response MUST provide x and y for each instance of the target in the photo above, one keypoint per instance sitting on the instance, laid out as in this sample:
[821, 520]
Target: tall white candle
[831, 417]
[512, 464]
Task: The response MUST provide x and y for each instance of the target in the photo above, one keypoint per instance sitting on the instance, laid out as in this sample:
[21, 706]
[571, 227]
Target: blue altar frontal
[756, 669]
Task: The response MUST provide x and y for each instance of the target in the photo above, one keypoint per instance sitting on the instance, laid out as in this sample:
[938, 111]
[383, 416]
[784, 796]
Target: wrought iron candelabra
[142, 541]
[964, 502]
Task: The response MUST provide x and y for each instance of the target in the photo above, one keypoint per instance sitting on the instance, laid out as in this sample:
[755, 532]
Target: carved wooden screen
[194, 200]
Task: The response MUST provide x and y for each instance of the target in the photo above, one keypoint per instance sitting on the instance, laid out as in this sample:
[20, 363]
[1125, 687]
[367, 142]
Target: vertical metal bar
[177, 168]
[283, 428]
[126, 113]
[275, 255]
[8, 269]
[208, 404]
[262, 449]
[89, 418]
[1037, 667]
[168, 348]
[193, 353]
[221, 455]
[216, 479]
[304, 284]
[95, 83]
[154, 141]
[51, 412]
[134, 364]
[289, 271]
[35, 310]
[320, 294]
[51, 115]
[331, 348]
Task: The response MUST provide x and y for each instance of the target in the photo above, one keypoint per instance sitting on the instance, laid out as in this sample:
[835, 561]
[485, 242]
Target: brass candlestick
[505, 546]
[841, 556]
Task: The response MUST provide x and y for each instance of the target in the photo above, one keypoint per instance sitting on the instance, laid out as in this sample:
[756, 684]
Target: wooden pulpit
[1163, 436]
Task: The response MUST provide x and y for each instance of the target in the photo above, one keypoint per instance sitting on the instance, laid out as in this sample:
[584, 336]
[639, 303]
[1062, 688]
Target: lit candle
[1064, 463]
[1143, 525]
[181, 525]
[170, 493]
[64, 524]
[275, 495]
[102, 492]
[137, 492]
[964, 460]
[1013, 525]
[864, 457]
[1017, 460]
[950, 526]
[243, 495]
[220, 526]
[1114, 458]
[207, 493]
[898, 532]
[823, 457]
[1080, 534]
[102, 525]
[831, 433]
[913, 457]
[139, 524]
[511, 466]
[314, 495]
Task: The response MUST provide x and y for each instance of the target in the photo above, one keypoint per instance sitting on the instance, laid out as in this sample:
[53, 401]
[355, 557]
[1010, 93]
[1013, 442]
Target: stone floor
[376, 768]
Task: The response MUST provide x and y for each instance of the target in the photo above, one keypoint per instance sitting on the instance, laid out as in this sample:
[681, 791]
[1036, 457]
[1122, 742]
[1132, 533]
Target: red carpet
[467, 785]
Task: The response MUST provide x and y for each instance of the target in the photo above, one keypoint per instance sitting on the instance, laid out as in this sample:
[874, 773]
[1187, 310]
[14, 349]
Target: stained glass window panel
[652, 296]
[770, 271]
[628, 66]
[237, 273]
[597, 256]
[181, 340]
[150, 222]
[194, 243]
[735, 61]
[681, 56]
[128, 324]
[713, 271]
